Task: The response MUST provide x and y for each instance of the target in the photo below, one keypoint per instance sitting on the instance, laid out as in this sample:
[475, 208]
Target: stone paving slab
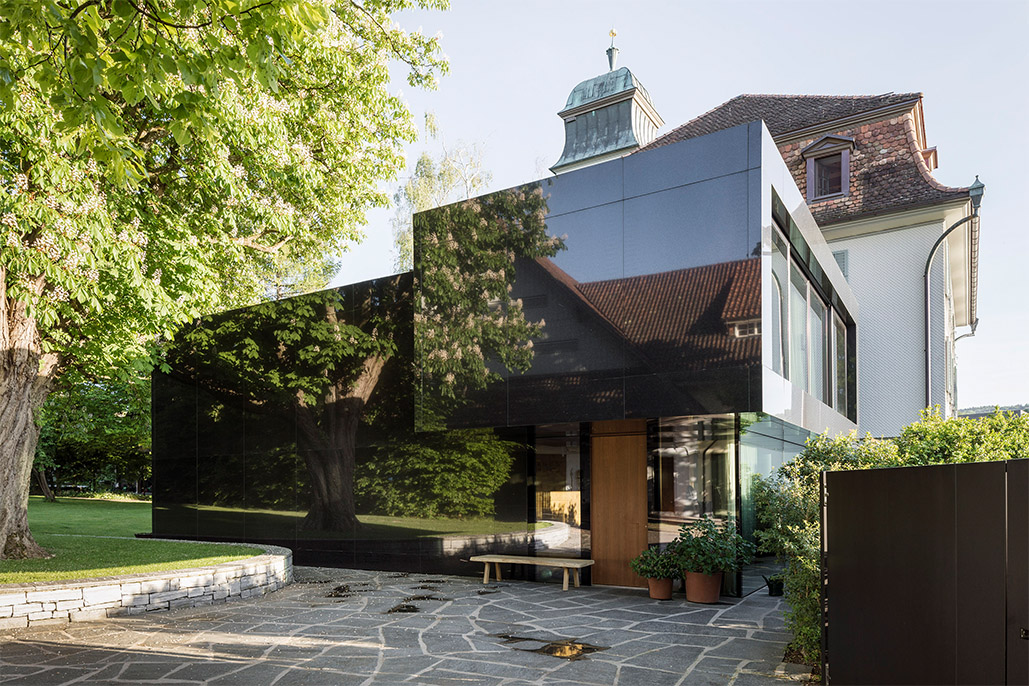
[458, 636]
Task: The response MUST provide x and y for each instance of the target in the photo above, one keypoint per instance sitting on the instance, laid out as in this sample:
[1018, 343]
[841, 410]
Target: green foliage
[934, 440]
[149, 152]
[449, 474]
[708, 546]
[285, 277]
[654, 563]
[91, 431]
[788, 505]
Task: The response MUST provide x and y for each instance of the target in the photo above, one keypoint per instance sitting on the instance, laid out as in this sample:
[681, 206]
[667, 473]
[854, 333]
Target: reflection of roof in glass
[679, 317]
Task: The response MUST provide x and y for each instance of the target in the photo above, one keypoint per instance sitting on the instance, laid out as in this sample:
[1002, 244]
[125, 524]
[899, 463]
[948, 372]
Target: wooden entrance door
[618, 500]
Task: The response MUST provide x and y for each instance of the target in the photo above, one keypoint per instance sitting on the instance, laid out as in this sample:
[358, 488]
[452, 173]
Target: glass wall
[765, 443]
[799, 343]
[558, 490]
[780, 306]
[819, 357]
[840, 383]
[690, 472]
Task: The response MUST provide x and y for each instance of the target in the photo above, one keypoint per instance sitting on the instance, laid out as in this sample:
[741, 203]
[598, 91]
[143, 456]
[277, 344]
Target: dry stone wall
[60, 602]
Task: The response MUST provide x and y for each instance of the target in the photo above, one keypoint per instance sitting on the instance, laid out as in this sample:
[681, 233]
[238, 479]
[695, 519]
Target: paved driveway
[338, 626]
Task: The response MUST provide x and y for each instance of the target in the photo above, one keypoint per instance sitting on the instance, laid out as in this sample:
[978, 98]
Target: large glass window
[780, 278]
[808, 337]
[558, 491]
[819, 359]
[798, 328]
[689, 472]
[840, 361]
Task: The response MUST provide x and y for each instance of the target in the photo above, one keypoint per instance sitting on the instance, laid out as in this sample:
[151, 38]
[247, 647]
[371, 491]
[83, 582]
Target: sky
[513, 64]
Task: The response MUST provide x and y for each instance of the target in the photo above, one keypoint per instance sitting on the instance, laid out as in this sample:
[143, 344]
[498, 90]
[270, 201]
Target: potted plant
[659, 567]
[705, 550]
[775, 583]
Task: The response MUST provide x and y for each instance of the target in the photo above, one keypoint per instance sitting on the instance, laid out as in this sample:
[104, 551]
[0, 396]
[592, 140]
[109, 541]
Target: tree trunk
[331, 468]
[44, 486]
[26, 375]
[330, 432]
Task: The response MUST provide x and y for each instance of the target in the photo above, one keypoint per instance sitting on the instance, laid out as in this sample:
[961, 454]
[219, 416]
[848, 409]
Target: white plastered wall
[885, 272]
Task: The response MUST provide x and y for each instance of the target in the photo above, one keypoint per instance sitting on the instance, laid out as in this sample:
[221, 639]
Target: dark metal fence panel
[1018, 572]
[920, 577]
[979, 517]
[891, 582]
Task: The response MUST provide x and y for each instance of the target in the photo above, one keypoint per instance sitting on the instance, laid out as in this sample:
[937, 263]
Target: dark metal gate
[926, 574]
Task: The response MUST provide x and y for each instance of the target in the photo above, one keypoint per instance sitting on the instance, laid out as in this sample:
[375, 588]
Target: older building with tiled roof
[866, 169]
[889, 161]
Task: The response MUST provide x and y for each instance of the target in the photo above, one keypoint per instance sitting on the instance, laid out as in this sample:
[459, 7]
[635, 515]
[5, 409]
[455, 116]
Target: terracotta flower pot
[660, 589]
[703, 588]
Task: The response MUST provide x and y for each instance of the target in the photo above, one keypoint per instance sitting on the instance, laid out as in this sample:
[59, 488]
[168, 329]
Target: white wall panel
[885, 272]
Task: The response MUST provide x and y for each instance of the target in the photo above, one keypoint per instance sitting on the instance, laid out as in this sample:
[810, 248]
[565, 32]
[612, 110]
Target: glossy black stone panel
[565, 398]
[292, 422]
[689, 226]
[695, 392]
[270, 499]
[597, 276]
[221, 495]
[174, 450]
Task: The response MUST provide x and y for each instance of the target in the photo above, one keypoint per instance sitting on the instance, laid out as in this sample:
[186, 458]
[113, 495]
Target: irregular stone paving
[463, 634]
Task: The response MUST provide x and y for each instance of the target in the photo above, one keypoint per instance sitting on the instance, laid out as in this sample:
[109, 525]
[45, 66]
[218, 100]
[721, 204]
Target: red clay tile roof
[887, 170]
[782, 114]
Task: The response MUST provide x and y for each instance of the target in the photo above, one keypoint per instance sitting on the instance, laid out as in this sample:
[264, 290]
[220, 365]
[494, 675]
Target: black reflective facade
[634, 276]
[292, 422]
[475, 404]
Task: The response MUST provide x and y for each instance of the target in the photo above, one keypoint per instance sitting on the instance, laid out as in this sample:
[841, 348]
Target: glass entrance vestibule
[606, 490]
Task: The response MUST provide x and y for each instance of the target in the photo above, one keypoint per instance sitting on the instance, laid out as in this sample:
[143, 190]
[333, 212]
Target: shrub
[707, 547]
[654, 563]
[788, 509]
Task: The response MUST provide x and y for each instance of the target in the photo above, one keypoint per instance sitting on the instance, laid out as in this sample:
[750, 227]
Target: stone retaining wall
[60, 602]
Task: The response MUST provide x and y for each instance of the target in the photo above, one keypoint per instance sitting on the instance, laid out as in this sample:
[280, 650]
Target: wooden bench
[565, 563]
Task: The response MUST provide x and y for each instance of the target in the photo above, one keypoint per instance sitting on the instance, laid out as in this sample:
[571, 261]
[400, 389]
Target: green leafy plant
[655, 563]
[160, 160]
[708, 547]
[787, 505]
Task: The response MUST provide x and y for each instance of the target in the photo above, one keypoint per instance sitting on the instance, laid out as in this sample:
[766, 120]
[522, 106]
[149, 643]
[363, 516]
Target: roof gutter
[975, 195]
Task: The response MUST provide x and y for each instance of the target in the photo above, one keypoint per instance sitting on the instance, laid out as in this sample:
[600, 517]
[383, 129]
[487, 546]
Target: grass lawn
[93, 538]
[87, 516]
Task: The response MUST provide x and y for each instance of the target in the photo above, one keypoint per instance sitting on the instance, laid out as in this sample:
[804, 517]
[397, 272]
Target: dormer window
[828, 167]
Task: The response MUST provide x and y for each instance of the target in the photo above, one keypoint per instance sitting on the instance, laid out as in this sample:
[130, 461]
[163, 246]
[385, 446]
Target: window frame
[827, 146]
[829, 371]
[812, 176]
